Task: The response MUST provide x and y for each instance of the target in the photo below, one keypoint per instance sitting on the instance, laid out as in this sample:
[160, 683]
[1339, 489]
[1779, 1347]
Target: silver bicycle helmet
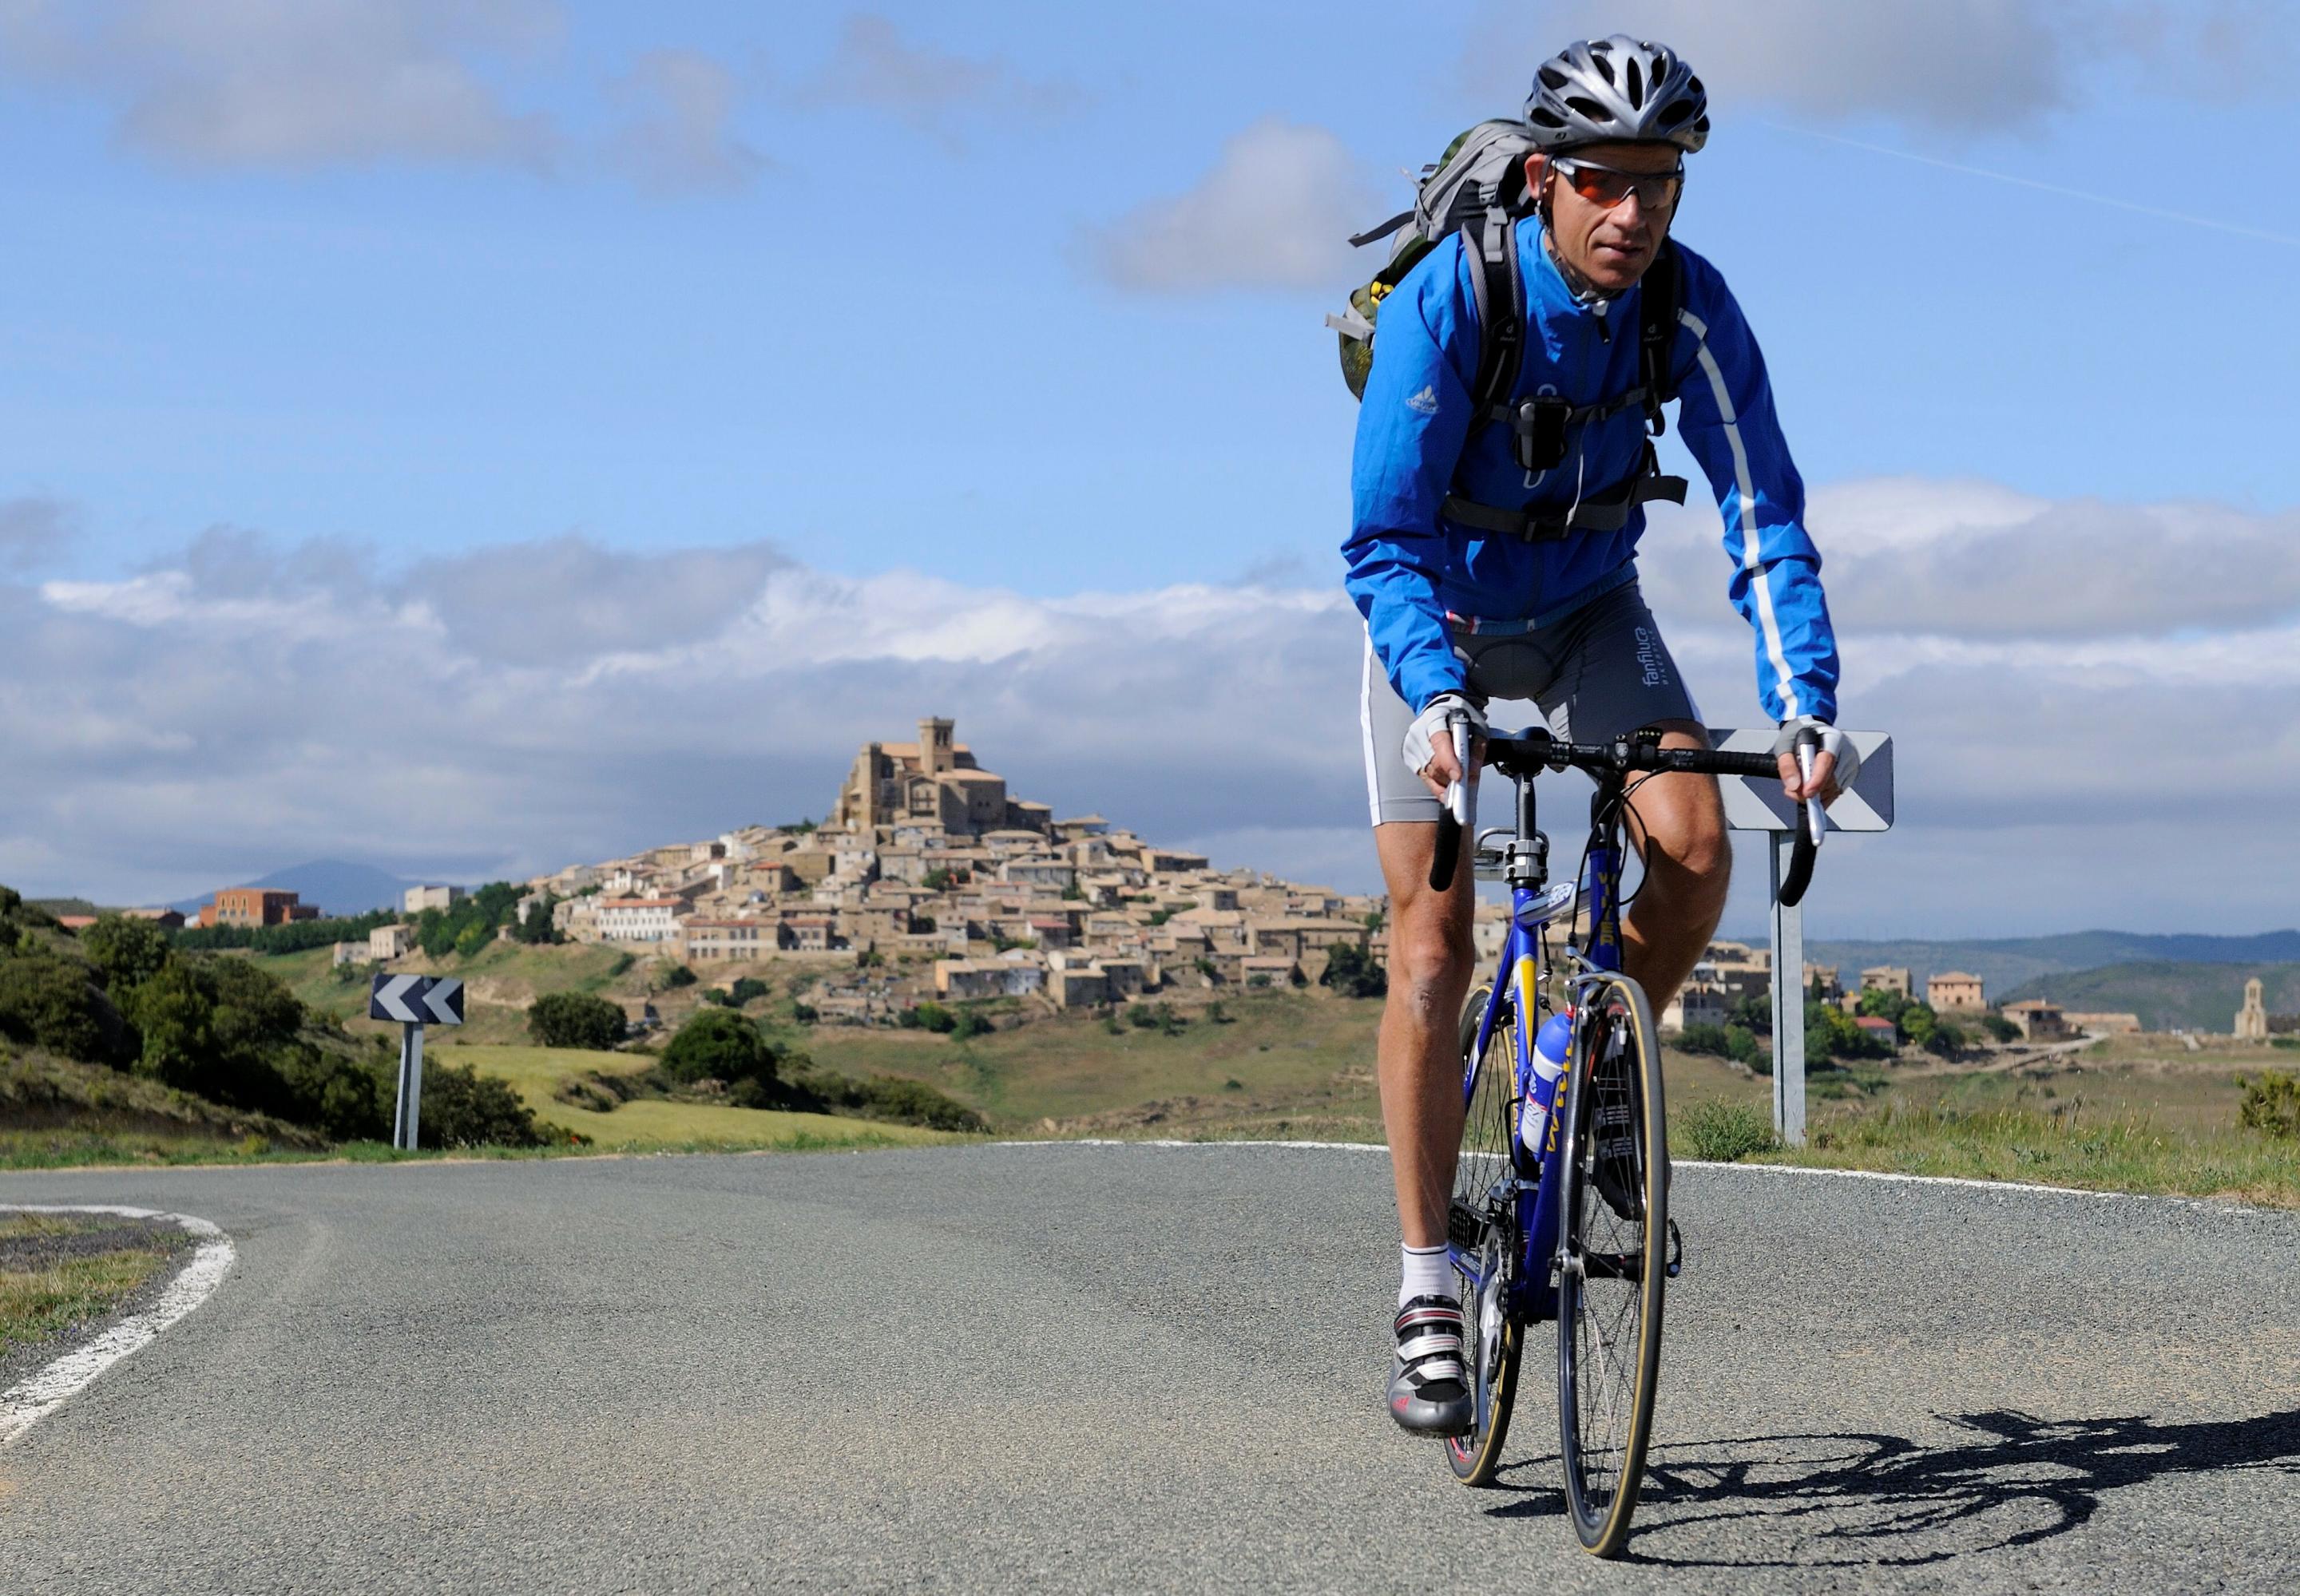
[1598, 90]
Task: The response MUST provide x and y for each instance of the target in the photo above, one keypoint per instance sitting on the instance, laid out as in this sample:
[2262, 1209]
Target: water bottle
[1549, 1048]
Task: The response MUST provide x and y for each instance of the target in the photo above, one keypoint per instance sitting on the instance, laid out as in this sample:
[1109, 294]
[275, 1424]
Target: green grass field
[536, 1072]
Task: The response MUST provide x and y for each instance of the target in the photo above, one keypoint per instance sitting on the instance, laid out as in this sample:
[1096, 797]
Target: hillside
[2165, 993]
[2004, 963]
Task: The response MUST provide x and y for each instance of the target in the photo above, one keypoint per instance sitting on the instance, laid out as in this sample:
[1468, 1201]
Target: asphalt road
[1070, 1367]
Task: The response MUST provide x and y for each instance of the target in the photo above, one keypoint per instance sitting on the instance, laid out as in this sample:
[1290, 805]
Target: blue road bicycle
[1560, 1205]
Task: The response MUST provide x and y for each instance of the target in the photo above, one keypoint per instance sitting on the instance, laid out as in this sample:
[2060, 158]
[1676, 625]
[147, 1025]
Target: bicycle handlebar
[1534, 750]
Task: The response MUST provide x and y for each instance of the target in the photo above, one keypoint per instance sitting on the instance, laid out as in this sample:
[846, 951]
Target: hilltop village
[931, 879]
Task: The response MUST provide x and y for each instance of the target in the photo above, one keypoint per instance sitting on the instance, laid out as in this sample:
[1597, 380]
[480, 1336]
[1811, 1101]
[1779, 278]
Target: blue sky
[681, 396]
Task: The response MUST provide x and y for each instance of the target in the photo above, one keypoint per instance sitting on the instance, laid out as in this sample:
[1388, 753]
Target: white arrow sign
[394, 997]
[1753, 804]
[445, 1000]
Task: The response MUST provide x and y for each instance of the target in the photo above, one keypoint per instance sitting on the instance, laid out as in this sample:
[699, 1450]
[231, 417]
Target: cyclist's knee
[1429, 966]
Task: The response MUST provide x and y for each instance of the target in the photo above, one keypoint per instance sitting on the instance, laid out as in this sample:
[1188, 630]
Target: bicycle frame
[1520, 979]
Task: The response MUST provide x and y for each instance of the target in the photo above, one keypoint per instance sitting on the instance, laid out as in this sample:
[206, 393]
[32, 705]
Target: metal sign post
[412, 1000]
[1755, 805]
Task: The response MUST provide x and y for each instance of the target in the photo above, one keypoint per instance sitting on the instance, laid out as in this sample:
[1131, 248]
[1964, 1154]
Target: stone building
[1888, 977]
[935, 780]
[2038, 1021]
[2252, 1019]
[1954, 991]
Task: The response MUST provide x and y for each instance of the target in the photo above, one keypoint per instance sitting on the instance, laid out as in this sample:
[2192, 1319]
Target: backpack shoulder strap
[1498, 283]
[1661, 294]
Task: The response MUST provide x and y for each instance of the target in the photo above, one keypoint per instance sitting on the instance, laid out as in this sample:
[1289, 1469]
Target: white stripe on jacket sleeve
[1769, 625]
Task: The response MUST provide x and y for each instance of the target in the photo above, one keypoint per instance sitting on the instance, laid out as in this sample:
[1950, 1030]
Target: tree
[434, 934]
[1878, 1003]
[575, 1019]
[130, 953]
[719, 1044]
[745, 989]
[969, 1024]
[1918, 1023]
[1353, 972]
[1947, 1039]
[672, 976]
[1998, 1026]
[536, 925]
[473, 938]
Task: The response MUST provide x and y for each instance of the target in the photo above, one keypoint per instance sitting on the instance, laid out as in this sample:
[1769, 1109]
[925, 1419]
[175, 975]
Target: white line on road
[1926, 1180]
[29, 1401]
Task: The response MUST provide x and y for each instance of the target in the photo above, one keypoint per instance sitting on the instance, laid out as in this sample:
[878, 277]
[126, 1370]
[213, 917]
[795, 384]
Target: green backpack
[1476, 188]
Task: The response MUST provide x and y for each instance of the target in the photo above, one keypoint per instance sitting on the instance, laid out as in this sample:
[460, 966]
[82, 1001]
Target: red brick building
[254, 906]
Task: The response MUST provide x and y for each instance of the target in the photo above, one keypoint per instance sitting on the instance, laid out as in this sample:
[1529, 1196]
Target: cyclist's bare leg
[1431, 959]
[1678, 823]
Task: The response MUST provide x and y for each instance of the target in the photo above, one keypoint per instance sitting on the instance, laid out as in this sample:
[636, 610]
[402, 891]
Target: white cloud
[680, 137]
[1957, 65]
[1276, 211]
[248, 704]
[293, 83]
[925, 87]
[1972, 560]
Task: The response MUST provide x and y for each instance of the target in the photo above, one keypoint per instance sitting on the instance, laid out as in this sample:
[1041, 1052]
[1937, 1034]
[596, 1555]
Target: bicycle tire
[1492, 1344]
[1609, 1290]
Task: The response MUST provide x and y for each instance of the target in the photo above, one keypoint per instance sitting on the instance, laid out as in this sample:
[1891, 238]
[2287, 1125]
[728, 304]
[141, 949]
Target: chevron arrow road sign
[417, 1000]
[1754, 804]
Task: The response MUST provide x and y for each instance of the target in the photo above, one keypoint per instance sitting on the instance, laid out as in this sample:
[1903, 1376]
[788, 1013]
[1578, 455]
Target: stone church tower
[2252, 1019]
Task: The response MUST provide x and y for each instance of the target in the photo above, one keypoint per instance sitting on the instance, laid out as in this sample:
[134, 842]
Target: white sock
[1424, 1273]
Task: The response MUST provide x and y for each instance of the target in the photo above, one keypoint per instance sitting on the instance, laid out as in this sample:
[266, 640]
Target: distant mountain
[338, 887]
[2193, 995]
[2004, 963]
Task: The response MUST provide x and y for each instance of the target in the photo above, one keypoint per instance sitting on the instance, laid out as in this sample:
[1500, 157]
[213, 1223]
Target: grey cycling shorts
[1597, 673]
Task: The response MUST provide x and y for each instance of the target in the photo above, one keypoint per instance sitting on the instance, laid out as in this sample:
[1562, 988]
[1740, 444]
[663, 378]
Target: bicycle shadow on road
[1866, 1498]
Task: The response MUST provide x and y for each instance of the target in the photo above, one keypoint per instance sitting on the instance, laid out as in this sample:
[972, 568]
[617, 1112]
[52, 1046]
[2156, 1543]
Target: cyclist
[1459, 613]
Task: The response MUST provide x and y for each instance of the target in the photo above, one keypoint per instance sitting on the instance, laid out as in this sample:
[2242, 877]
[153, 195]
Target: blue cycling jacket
[1409, 566]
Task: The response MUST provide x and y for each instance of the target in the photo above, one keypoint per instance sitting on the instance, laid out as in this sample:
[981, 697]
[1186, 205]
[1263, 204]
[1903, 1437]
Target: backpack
[1477, 187]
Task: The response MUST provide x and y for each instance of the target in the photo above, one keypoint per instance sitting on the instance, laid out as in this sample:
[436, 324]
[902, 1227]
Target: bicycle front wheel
[1614, 1263]
[1482, 1229]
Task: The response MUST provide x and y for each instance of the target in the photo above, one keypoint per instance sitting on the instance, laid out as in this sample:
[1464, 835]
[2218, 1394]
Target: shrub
[745, 989]
[969, 1024]
[1353, 972]
[719, 1044]
[894, 1098]
[2271, 1105]
[53, 1003]
[718, 995]
[1216, 1015]
[671, 977]
[1741, 1045]
[462, 1108]
[806, 1014]
[575, 1019]
[928, 1016]
[1701, 1039]
[2000, 1027]
[1725, 1133]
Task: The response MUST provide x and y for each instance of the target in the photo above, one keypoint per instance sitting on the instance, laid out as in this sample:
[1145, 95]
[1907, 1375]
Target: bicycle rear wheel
[1482, 1227]
[1616, 1240]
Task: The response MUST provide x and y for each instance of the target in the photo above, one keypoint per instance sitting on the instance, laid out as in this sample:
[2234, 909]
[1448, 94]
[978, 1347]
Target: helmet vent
[1551, 77]
[1589, 107]
[1637, 87]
